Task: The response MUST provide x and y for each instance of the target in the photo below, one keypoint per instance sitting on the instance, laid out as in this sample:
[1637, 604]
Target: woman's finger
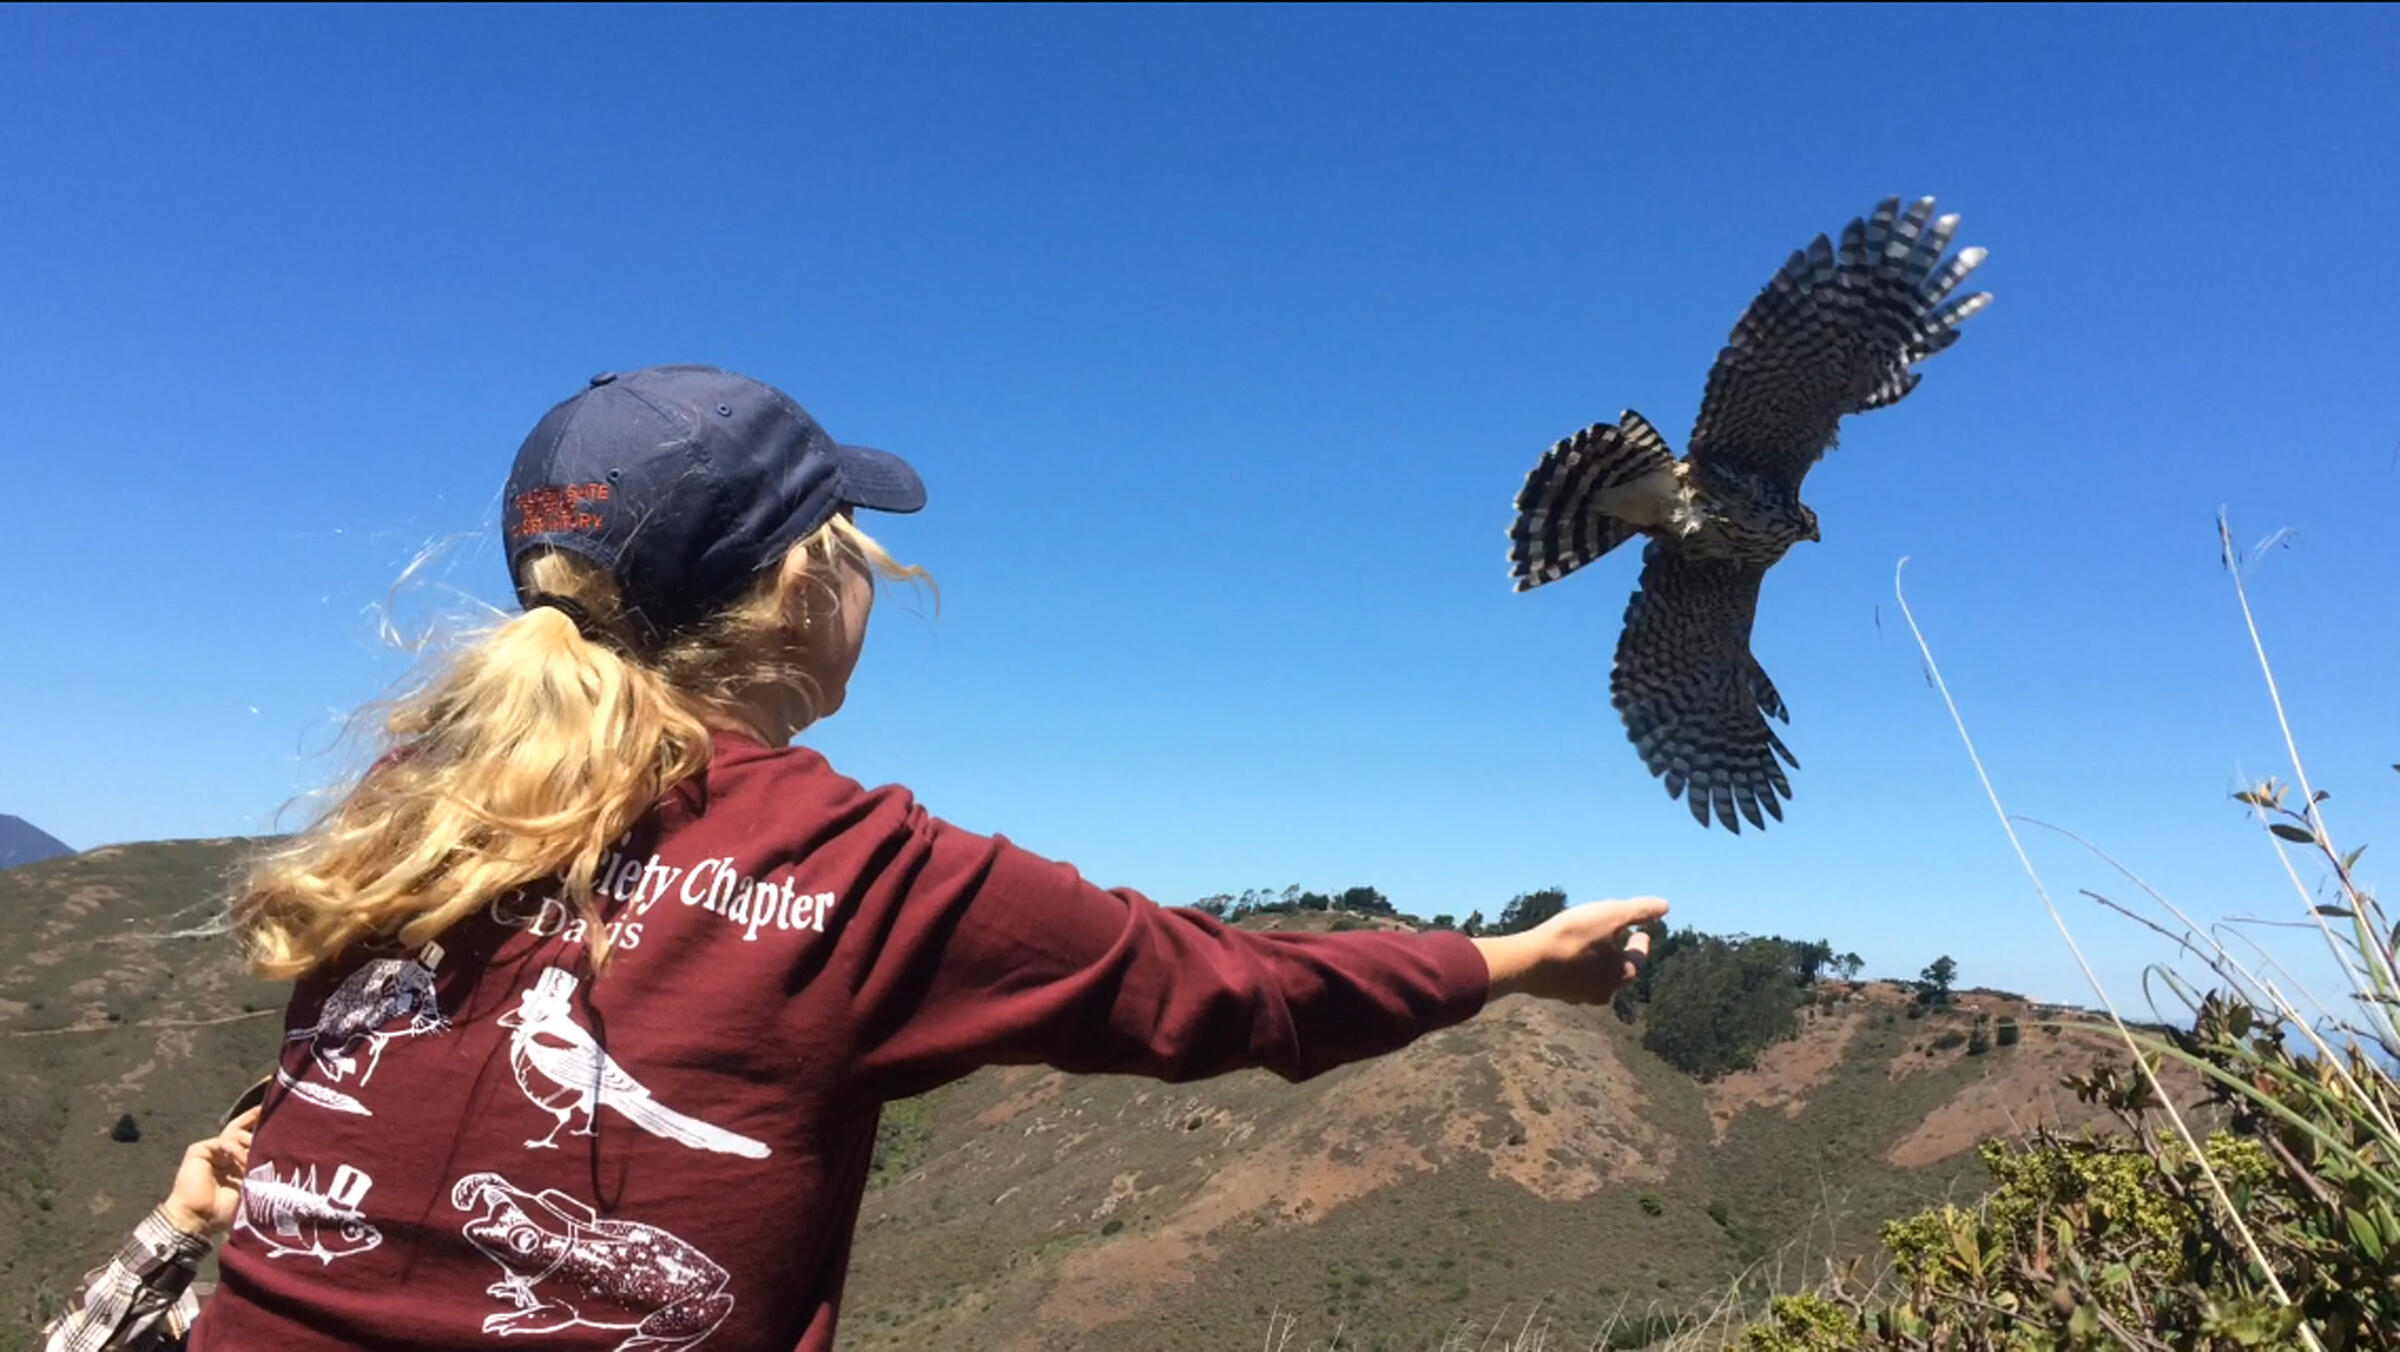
[1633, 910]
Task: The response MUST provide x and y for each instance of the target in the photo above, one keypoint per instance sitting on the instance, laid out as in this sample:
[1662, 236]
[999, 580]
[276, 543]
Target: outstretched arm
[999, 957]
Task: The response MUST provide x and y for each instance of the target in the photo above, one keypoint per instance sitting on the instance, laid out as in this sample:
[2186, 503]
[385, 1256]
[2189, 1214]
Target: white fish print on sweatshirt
[291, 1217]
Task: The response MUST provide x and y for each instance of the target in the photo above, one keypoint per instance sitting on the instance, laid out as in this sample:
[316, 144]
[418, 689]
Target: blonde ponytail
[524, 758]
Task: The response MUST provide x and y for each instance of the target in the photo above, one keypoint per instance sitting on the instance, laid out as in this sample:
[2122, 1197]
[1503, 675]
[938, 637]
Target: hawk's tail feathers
[1592, 492]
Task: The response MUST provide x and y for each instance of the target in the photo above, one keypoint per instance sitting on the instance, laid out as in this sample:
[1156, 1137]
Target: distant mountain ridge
[22, 842]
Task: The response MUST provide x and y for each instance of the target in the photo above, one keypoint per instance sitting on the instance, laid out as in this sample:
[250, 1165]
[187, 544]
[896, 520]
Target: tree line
[1522, 912]
[1229, 906]
[1709, 1004]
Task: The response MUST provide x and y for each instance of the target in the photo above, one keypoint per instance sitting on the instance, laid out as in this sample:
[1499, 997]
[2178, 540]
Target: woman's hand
[1583, 955]
[208, 1186]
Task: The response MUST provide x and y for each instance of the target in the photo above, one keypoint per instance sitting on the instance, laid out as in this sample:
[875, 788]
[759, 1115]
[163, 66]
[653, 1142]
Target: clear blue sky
[1224, 339]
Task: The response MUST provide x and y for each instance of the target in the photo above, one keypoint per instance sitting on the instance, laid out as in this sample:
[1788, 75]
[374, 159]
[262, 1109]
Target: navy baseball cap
[683, 482]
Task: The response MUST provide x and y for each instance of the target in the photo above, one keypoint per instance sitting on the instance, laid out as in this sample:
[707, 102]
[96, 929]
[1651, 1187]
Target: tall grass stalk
[2370, 941]
[2107, 1002]
[2314, 1140]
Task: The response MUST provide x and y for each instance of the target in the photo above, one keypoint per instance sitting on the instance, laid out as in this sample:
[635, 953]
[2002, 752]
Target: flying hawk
[1834, 333]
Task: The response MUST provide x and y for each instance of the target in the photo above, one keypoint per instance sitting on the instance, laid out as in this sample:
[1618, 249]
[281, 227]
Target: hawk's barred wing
[1833, 334]
[1695, 702]
[1561, 522]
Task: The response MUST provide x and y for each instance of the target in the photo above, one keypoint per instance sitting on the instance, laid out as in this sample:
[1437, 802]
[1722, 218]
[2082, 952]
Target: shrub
[2115, 1240]
[126, 1129]
[901, 1134]
[1651, 1206]
[1979, 1041]
[2279, 1230]
[1528, 909]
[1366, 899]
[1803, 1324]
[1933, 984]
[1717, 1003]
[2007, 1033]
[1948, 1038]
[1718, 1213]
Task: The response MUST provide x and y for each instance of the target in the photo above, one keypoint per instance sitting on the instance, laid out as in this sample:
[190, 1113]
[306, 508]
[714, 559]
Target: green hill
[103, 1012]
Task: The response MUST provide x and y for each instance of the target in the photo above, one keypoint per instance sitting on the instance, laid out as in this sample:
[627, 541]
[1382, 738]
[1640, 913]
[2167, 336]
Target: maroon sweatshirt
[482, 1140]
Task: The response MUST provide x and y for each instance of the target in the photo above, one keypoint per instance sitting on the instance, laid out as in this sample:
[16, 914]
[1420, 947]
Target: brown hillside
[105, 1010]
[1503, 1161]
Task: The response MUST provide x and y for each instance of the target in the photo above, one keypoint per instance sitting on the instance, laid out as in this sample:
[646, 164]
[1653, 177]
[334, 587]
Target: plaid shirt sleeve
[141, 1301]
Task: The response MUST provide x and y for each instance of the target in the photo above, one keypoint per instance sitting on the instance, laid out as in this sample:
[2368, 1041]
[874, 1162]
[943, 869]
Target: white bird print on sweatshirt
[565, 1072]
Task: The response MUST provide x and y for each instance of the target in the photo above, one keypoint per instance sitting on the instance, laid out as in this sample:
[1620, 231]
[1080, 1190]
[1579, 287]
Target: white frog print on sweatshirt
[563, 1267]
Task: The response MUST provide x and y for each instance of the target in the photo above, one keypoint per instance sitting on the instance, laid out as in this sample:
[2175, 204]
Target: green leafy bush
[2278, 1229]
[1715, 1003]
[1933, 984]
[1528, 909]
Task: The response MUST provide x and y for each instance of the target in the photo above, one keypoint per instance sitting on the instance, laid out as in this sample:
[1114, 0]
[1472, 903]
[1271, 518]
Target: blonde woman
[601, 985]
